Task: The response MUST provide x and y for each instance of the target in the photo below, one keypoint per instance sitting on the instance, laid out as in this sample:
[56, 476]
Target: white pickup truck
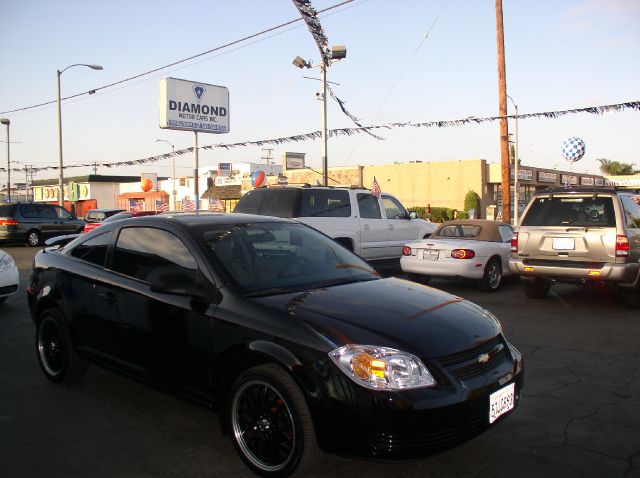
[373, 227]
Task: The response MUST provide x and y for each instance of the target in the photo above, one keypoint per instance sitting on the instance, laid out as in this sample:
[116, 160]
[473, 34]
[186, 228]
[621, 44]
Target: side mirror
[173, 280]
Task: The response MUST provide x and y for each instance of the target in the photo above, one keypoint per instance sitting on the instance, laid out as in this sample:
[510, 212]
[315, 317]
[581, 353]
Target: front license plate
[430, 254]
[564, 243]
[501, 402]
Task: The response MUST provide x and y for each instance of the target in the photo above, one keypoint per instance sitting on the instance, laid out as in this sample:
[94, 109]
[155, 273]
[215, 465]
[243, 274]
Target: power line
[235, 42]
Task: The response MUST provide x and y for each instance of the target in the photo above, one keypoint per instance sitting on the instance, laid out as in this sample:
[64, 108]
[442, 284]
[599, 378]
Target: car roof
[106, 209]
[576, 190]
[488, 228]
[199, 218]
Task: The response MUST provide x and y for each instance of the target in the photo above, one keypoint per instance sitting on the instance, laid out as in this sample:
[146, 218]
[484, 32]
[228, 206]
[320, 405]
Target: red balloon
[146, 184]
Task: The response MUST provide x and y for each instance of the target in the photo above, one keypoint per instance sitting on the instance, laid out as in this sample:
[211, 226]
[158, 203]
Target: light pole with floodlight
[60, 165]
[338, 52]
[515, 181]
[6, 122]
[173, 163]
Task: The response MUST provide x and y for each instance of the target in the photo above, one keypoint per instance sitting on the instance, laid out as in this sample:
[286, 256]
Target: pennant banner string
[598, 110]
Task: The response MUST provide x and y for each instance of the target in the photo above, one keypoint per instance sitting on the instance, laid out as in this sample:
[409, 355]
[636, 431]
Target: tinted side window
[143, 250]
[506, 233]
[29, 210]
[368, 206]
[325, 203]
[281, 203]
[631, 211]
[7, 210]
[62, 213]
[251, 202]
[94, 250]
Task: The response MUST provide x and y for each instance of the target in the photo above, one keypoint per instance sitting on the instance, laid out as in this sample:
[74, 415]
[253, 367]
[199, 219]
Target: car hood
[393, 313]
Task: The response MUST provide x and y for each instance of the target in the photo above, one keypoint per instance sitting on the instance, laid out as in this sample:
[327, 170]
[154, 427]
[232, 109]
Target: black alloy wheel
[57, 359]
[272, 428]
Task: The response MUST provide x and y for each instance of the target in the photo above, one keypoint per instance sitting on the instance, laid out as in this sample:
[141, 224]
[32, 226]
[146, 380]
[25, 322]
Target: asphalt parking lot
[579, 416]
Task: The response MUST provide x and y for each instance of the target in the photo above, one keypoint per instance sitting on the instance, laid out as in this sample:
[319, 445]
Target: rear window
[458, 230]
[7, 210]
[587, 211]
[325, 203]
[270, 202]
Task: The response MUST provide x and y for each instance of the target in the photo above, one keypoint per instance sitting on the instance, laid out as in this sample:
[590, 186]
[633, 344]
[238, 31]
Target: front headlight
[382, 368]
[6, 263]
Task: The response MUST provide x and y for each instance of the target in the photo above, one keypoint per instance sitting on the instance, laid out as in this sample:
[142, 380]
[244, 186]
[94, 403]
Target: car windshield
[585, 211]
[458, 230]
[271, 257]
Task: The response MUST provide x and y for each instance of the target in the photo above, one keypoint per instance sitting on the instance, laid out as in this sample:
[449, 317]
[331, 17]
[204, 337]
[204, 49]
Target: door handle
[108, 297]
[366, 227]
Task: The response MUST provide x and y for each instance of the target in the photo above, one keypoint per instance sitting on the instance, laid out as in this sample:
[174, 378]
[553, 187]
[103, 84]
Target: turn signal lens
[528, 269]
[514, 243]
[406, 251]
[463, 254]
[622, 246]
[594, 273]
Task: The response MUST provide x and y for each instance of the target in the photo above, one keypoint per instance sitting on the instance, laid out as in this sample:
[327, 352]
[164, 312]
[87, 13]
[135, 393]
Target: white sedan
[9, 277]
[462, 248]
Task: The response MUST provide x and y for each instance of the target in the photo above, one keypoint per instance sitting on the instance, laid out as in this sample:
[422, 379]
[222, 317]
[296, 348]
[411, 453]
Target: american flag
[136, 205]
[375, 188]
[216, 205]
[188, 205]
[161, 205]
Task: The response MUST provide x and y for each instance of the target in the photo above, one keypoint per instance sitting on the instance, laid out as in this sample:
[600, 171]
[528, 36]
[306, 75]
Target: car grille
[476, 361]
[398, 445]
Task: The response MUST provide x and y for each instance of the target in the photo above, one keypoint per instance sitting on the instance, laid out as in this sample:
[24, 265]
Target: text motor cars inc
[190, 106]
[297, 342]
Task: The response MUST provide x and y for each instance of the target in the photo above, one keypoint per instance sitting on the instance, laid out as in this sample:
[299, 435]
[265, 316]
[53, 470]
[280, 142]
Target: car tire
[58, 360]
[419, 278]
[271, 426]
[492, 277]
[536, 288]
[33, 238]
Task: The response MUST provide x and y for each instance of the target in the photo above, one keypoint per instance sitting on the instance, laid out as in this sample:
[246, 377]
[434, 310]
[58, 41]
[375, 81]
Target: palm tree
[616, 168]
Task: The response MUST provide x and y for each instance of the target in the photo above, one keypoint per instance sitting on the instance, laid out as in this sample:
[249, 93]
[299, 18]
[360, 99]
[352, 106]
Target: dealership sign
[190, 106]
[294, 160]
[545, 177]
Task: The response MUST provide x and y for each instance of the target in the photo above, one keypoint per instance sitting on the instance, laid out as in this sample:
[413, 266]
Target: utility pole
[504, 130]
[267, 155]
[95, 168]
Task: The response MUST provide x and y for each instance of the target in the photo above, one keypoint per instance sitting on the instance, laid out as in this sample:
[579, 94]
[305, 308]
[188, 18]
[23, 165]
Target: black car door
[164, 337]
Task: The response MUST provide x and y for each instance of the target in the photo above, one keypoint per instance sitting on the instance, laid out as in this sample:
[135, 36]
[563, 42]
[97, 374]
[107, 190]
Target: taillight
[622, 246]
[8, 222]
[514, 243]
[406, 251]
[463, 254]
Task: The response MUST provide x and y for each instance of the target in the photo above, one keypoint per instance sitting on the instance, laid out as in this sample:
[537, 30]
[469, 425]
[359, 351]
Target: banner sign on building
[587, 181]
[294, 160]
[191, 106]
[226, 181]
[224, 169]
[544, 177]
[569, 179]
[599, 181]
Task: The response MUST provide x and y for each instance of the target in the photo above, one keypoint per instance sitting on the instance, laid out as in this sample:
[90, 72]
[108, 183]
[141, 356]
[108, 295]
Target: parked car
[462, 248]
[96, 216]
[373, 227]
[119, 214]
[34, 222]
[9, 276]
[579, 235]
[295, 340]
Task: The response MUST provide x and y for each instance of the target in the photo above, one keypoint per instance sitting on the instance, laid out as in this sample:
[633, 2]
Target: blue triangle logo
[199, 92]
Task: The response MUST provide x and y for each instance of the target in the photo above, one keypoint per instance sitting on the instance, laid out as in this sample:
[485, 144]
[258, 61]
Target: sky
[559, 55]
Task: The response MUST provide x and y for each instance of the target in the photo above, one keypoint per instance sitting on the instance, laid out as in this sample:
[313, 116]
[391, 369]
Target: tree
[472, 201]
[616, 168]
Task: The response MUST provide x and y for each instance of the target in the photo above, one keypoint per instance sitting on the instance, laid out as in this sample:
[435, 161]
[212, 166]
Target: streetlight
[338, 52]
[60, 165]
[173, 162]
[515, 182]
[6, 122]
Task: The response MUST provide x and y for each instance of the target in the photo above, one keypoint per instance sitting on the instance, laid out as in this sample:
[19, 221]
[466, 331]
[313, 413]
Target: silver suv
[579, 235]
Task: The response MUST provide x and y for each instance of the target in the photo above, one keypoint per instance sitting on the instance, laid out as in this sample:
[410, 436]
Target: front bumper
[9, 281]
[356, 421]
[573, 270]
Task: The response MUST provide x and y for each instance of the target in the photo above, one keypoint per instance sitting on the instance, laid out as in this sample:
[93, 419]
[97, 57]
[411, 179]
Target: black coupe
[297, 343]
